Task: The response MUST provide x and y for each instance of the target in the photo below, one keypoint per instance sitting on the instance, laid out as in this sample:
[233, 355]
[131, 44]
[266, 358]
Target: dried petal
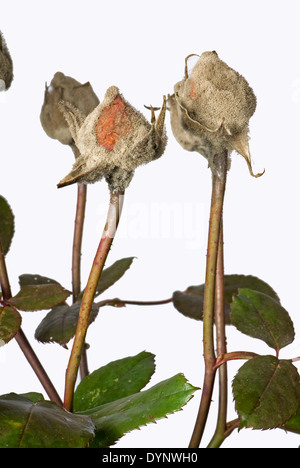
[113, 140]
[80, 96]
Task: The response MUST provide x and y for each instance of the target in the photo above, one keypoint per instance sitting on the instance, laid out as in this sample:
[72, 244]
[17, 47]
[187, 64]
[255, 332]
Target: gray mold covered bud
[113, 140]
[211, 108]
[65, 88]
[6, 65]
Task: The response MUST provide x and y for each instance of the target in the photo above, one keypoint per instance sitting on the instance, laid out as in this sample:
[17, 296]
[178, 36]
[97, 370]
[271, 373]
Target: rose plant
[209, 112]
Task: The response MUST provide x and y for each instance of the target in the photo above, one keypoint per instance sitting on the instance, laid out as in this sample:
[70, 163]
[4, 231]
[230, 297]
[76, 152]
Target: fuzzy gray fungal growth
[113, 140]
[6, 65]
[65, 88]
[211, 108]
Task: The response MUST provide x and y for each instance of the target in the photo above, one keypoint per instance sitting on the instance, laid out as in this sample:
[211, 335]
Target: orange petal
[113, 124]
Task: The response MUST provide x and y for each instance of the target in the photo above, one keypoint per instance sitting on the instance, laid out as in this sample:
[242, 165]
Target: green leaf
[116, 380]
[232, 283]
[33, 396]
[266, 392]
[110, 275]
[258, 315]
[29, 279]
[39, 297]
[10, 323]
[60, 324]
[190, 302]
[293, 424]
[25, 424]
[116, 418]
[7, 225]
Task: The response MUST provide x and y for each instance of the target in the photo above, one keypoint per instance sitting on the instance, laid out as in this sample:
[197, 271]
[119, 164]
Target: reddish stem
[109, 231]
[22, 340]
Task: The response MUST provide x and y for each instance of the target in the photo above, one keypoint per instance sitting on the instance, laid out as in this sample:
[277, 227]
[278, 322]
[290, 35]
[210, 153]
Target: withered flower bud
[65, 88]
[113, 140]
[211, 108]
[6, 65]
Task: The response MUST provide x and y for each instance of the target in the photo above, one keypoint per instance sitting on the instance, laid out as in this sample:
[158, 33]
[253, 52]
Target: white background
[140, 47]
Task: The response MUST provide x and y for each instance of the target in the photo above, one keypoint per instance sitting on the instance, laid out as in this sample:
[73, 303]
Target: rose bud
[211, 108]
[6, 65]
[65, 88]
[113, 140]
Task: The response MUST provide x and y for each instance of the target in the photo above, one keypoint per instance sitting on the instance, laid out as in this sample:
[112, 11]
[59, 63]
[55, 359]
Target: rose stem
[217, 199]
[77, 240]
[221, 343]
[216, 442]
[112, 221]
[22, 340]
[76, 260]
